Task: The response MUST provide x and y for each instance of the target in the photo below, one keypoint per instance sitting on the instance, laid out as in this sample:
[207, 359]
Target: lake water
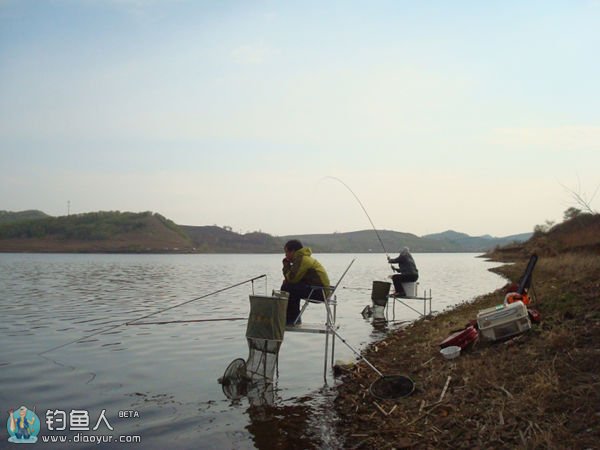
[167, 374]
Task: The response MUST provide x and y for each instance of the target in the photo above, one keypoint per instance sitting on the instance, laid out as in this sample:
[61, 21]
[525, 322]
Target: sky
[480, 117]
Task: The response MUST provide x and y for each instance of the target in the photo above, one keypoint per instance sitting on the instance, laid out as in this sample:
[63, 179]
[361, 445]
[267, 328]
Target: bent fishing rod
[364, 210]
[133, 322]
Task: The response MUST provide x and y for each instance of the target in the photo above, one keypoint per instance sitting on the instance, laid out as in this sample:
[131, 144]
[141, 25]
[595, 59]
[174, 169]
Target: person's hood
[304, 251]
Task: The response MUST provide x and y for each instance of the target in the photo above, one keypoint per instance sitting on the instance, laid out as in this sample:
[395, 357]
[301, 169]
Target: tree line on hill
[101, 225]
[107, 226]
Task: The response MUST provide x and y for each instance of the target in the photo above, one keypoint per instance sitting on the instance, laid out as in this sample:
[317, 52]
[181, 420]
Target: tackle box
[503, 321]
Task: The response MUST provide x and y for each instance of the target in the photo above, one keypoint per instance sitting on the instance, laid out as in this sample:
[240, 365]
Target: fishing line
[189, 321]
[132, 322]
[365, 211]
[251, 280]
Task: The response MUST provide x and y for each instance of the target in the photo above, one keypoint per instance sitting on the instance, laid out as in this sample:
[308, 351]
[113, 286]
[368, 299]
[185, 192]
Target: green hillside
[20, 216]
[114, 231]
[111, 231]
[213, 239]
[90, 226]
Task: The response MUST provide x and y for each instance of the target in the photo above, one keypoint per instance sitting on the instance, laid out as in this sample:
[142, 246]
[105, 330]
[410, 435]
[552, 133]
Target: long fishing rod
[365, 211]
[132, 322]
[224, 319]
[251, 280]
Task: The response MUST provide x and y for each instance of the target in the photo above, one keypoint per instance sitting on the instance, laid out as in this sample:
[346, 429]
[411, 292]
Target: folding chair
[330, 303]
[329, 299]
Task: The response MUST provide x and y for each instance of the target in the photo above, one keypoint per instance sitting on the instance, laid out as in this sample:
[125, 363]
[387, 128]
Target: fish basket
[392, 387]
[380, 292]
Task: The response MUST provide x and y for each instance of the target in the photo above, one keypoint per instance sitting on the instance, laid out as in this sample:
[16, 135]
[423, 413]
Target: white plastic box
[503, 321]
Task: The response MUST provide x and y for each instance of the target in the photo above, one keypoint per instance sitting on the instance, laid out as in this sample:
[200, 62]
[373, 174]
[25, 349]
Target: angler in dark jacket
[407, 269]
[302, 274]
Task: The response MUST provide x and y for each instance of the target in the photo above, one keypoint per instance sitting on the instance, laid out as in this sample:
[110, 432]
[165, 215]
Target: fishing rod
[365, 211]
[251, 280]
[132, 322]
[224, 319]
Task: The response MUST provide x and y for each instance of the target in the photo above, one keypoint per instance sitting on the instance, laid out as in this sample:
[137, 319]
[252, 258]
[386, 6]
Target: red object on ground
[534, 315]
[461, 338]
[512, 297]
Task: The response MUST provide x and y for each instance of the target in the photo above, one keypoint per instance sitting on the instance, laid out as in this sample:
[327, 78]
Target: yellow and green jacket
[306, 269]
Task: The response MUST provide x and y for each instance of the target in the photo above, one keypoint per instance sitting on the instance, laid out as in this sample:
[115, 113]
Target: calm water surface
[168, 373]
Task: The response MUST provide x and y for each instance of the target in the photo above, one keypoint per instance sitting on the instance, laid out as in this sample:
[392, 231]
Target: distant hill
[114, 231]
[213, 239]
[31, 214]
[366, 241]
[476, 243]
[95, 232]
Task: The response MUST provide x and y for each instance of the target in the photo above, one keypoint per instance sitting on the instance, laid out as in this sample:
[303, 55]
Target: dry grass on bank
[539, 390]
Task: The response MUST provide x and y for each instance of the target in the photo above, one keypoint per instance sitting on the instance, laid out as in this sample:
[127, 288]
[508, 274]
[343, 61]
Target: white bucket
[410, 288]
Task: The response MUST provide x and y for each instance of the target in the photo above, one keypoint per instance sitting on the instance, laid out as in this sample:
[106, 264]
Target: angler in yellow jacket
[302, 274]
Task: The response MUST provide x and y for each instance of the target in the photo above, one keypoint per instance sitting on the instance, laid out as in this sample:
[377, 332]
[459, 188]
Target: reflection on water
[168, 373]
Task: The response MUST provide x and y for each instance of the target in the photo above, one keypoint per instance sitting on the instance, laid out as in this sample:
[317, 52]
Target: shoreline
[532, 390]
[79, 250]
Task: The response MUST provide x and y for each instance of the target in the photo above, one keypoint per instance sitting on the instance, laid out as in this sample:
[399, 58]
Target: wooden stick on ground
[381, 410]
[435, 405]
[445, 388]
[427, 362]
[424, 415]
[503, 389]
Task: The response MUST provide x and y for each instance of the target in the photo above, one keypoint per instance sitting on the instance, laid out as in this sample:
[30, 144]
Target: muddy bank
[538, 390]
